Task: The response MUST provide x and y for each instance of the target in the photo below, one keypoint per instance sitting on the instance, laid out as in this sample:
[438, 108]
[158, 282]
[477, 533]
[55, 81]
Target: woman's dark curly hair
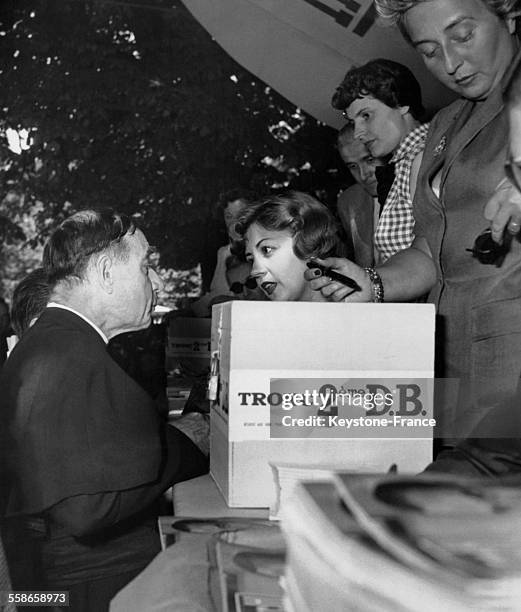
[313, 227]
[390, 82]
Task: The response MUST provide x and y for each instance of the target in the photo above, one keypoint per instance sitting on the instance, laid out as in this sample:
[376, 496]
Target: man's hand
[503, 210]
[335, 291]
[196, 426]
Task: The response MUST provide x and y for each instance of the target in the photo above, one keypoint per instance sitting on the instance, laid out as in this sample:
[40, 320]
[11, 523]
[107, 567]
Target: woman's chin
[280, 296]
[276, 298]
[305, 294]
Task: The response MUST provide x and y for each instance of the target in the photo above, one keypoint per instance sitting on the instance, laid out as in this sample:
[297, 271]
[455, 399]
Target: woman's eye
[365, 116]
[428, 52]
[266, 250]
[463, 36]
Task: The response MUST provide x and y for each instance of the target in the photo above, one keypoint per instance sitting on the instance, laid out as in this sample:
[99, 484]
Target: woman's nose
[452, 59]
[359, 131]
[257, 270]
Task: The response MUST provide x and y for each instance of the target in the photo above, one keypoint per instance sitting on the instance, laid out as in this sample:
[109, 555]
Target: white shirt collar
[87, 320]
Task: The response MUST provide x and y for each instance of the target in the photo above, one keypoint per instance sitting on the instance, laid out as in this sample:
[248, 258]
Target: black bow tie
[385, 178]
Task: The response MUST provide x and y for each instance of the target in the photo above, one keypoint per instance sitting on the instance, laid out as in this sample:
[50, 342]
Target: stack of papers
[286, 477]
[394, 543]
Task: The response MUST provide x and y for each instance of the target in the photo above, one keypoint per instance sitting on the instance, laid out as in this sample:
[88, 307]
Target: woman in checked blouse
[382, 100]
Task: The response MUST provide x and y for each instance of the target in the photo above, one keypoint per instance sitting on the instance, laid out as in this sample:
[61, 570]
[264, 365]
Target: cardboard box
[259, 345]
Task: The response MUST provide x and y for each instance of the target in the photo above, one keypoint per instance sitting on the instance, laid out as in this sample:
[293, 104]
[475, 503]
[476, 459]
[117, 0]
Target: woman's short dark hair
[30, 298]
[313, 227]
[69, 248]
[390, 82]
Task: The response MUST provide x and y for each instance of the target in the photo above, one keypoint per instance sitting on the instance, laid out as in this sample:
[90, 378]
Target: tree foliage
[137, 108]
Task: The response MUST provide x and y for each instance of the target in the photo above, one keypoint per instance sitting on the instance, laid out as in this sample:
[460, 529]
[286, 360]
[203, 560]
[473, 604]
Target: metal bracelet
[376, 282]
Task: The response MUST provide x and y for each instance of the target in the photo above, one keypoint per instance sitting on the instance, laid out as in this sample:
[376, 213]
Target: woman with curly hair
[281, 235]
[461, 191]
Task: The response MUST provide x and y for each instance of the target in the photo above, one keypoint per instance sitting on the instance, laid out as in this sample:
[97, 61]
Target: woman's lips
[464, 81]
[268, 287]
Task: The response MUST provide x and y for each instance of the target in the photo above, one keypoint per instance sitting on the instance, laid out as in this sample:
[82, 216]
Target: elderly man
[88, 454]
[358, 206]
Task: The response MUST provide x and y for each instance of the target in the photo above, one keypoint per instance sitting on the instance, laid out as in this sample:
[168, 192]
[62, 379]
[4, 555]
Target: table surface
[177, 578]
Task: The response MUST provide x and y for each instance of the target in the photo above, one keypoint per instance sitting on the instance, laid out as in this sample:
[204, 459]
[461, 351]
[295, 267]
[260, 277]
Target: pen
[336, 276]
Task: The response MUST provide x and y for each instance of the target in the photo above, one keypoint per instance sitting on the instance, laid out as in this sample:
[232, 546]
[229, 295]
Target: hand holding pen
[345, 280]
[337, 279]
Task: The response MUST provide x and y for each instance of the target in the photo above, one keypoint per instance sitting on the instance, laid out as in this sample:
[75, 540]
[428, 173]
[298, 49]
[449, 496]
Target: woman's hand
[335, 291]
[503, 210]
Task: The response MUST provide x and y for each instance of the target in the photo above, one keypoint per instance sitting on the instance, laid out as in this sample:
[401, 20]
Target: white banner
[303, 48]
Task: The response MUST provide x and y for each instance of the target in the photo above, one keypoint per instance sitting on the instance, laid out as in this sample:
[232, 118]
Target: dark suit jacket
[77, 420]
[356, 211]
[88, 455]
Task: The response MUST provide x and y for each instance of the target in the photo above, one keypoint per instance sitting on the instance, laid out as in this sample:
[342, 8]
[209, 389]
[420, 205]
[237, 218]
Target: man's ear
[404, 110]
[105, 272]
